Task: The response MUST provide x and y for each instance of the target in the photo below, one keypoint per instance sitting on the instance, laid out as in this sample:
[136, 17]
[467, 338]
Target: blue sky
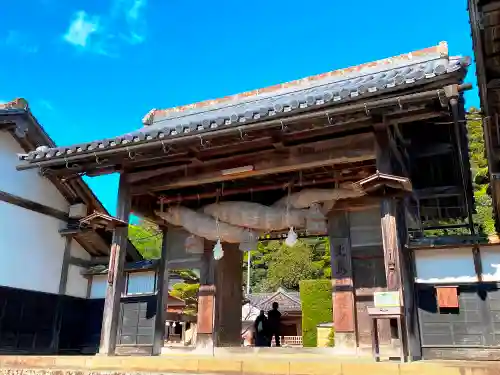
[92, 69]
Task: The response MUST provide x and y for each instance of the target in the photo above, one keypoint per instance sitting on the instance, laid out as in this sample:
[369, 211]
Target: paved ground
[76, 365]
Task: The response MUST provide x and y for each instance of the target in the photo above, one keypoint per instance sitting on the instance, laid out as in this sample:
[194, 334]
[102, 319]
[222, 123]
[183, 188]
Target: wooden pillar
[206, 301]
[161, 295]
[63, 281]
[388, 213]
[394, 234]
[228, 301]
[391, 244]
[344, 312]
[115, 274]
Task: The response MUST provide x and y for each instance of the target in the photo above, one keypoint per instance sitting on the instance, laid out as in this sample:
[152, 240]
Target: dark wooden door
[137, 322]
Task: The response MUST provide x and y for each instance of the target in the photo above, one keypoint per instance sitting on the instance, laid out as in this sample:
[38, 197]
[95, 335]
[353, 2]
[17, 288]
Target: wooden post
[161, 296]
[228, 301]
[388, 212]
[63, 281]
[344, 311]
[206, 301]
[391, 243]
[394, 235]
[115, 274]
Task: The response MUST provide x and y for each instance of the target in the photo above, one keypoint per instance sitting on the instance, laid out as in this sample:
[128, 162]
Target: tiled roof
[335, 87]
[288, 301]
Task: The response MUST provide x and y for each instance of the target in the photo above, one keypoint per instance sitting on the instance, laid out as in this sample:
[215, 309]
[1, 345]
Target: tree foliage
[189, 294]
[275, 264]
[147, 238]
[317, 308]
[483, 217]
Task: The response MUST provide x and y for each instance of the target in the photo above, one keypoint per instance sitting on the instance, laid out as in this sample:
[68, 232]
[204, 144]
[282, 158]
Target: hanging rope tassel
[291, 238]
[218, 251]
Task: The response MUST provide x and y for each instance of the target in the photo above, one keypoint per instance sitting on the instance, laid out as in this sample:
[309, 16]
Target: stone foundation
[27, 365]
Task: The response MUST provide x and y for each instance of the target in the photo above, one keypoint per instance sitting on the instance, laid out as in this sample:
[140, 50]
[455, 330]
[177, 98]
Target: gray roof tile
[288, 301]
[334, 87]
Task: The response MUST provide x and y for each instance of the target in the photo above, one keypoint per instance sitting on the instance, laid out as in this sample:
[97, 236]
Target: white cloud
[103, 34]
[135, 8]
[132, 12]
[81, 29]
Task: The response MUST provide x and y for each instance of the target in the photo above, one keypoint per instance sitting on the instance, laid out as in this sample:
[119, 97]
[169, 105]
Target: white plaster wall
[445, 265]
[31, 249]
[490, 259]
[27, 184]
[78, 251]
[98, 286]
[77, 284]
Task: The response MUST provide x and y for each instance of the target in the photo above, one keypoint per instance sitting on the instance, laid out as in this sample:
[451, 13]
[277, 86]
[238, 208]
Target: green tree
[287, 266]
[189, 294]
[483, 218]
[272, 260]
[147, 238]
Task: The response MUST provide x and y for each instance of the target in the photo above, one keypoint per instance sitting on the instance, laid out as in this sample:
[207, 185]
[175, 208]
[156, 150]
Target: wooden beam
[116, 275]
[416, 117]
[63, 280]
[161, 296]
[438, 192]
[356, 204]
[400, 158]
[343, 150]
[84, 263]
[33, 206]
[432, 150]
[136, 177]
[242, 156]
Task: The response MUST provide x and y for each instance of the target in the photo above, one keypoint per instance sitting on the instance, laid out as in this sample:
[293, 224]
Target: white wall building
[42, 257]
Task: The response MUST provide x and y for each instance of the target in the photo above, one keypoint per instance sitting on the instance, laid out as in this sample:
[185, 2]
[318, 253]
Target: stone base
[345, 341]
[86, 365]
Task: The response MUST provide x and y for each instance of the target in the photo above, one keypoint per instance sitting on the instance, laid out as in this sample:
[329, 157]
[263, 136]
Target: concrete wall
[31, 247]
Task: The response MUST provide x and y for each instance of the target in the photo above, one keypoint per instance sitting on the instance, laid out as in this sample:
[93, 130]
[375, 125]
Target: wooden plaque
[206, 303]
[343, 314]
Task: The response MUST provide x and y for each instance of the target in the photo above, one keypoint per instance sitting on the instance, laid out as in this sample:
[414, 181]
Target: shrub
[331, 337]
[316, 298]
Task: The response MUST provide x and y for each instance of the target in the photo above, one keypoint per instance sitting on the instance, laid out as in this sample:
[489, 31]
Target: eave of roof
[333, 88]
[39, 137]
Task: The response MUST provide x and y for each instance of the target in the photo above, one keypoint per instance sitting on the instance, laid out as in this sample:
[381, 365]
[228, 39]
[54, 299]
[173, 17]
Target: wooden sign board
[447, 297]
[386, 299]
[343, 313]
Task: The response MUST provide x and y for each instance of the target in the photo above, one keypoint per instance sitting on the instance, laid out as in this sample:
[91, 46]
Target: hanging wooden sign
[447, 297]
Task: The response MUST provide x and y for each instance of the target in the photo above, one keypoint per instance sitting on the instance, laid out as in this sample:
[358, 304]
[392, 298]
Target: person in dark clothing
[274, 321]
[261, 330]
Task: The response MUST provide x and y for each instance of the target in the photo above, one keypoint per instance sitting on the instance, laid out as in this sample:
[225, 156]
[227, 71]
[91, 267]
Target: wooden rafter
[340, 151]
